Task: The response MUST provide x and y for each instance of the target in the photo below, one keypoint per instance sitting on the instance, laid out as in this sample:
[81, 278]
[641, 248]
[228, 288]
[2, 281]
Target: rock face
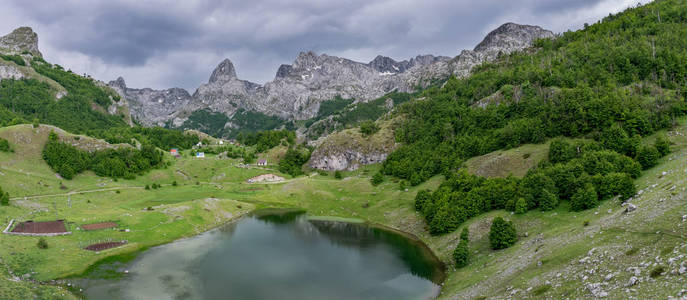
[389, 66]
[349, 150]
[8, 71]
[510, 36]
[20, 40]
[298, 89]
[151, 107]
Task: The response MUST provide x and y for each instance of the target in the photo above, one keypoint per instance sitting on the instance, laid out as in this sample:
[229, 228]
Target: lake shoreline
[130, 257]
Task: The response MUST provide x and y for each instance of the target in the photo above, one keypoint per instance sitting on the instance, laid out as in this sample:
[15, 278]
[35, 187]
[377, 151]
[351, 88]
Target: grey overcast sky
[161, 44]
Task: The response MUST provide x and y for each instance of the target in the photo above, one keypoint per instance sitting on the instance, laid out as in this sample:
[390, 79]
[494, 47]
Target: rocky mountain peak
[384, 64]
[119, 82]
[223, 72]
[284, 71]
[510, 37]
[427, 59]
[305, 60]
[21, 39]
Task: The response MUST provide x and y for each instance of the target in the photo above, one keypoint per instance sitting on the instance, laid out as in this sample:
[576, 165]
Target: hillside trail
[75, 192]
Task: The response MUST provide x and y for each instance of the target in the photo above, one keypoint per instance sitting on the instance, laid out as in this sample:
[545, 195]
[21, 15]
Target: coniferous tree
[461, 254]
[465, 234]
[4, 198]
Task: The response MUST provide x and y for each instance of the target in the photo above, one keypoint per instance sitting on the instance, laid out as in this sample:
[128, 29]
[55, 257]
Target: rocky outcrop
[505, 39]
[10, 72]
[152, 107]
[298, 89]
[20, 40]
[349, 150]
[510, 37]
[346, 159]
[224, 92]
[387, 65]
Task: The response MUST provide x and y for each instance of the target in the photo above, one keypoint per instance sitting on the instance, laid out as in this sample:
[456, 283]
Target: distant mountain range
[298, 89]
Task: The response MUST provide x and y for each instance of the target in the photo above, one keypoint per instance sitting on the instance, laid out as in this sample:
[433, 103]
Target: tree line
[581, 172]
[68, 161]
[157, 136]
[267, 139]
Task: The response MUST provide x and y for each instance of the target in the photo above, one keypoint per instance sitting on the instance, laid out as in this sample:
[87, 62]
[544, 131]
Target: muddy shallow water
[280, 256]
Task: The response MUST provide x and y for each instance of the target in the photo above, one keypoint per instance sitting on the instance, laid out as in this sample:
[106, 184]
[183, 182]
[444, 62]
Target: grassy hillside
[501, 163]
[55, 96]
[558, 239]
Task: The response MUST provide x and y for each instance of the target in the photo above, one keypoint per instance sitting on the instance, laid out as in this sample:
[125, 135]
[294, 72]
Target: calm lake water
[280, 256]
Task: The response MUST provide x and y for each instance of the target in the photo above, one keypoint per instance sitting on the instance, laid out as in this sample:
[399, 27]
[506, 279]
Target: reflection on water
[280, 256]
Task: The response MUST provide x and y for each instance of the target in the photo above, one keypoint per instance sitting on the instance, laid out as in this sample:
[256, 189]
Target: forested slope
[612, 84]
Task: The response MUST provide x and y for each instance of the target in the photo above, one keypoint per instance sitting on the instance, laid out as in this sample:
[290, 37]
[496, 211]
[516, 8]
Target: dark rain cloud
[161, 43]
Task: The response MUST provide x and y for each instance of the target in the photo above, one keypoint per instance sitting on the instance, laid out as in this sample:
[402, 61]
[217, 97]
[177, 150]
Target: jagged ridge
[299, 88]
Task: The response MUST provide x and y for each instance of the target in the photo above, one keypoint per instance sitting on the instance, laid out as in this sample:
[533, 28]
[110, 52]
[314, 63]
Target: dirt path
[76, 192]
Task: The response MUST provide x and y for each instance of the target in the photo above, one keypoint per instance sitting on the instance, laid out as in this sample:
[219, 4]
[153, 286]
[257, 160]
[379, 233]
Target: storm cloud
[162, 44]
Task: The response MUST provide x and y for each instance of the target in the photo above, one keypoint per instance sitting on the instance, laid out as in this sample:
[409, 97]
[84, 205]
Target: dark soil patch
[96, 226]
[40, 227]
[104, 246]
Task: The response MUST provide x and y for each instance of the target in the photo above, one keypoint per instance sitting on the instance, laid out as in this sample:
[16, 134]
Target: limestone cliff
[298, 89]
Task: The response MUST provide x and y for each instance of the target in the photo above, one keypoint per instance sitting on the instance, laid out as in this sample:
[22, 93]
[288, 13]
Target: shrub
[421, 198]
[584, 198]
[541, 289]
[4, 198]
[560, 151]
[17, 59]
[368, 128]
[293, 161]
[377, 178]
[510, 205]
[174, 183]
[618, 184]
[657, 271]
[338, 175]
[36, 123]
[147, 187]
[615, 138]
[647, 156]
[42, 243]
[662, 144]
[465, 234]
[461, 253]
[502, 234]
[632, 251]
[549, 201]
[4, 145]
[520, 206]
[533, 186]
